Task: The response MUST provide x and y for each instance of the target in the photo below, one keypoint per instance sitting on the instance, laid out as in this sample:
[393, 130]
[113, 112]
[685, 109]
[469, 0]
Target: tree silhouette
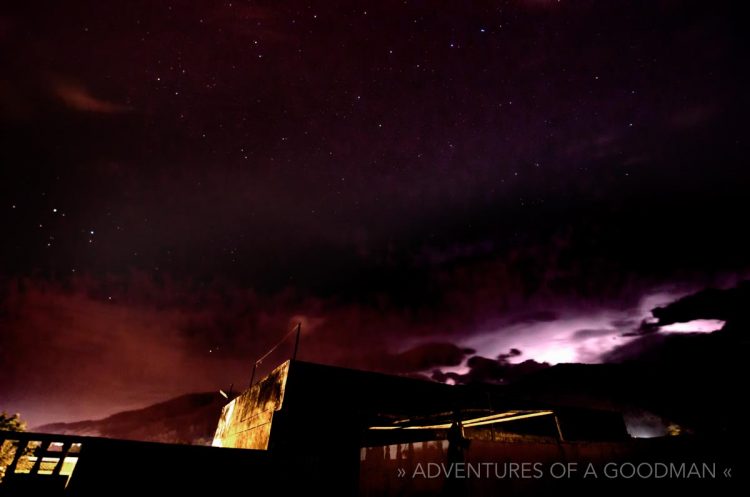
[11, 422]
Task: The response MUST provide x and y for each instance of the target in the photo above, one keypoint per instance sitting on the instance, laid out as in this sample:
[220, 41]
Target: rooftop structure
[301, 402]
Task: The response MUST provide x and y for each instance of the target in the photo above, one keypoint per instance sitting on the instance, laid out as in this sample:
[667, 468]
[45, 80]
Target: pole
[286, 337]
[559, 431]
[296, 341]
[252, 377]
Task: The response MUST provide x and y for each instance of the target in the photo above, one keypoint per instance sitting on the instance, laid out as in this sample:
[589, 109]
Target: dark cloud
[625, 323]
[511, 353]
[159, 337]
[485, 370]
[424, 357]
[645, 327]
[729, 305]
[535, 317]
[643, 348]
[659, 377]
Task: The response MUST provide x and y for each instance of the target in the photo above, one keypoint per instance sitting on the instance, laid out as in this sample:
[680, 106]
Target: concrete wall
[246, 421]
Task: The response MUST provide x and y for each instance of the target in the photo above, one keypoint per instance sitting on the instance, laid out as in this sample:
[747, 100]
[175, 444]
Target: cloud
[582, 335]
[481, 369]
[87, 347]
[87, 350]
[544, 316]
[693, 116]
[690, 328]
[511, 353]
[79, 98]
[695, 326]
[424, 357]
[154, 337]
[712, 303]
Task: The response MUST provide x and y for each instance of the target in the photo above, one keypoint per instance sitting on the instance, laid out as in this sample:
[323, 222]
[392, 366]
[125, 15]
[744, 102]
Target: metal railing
[38, 451]
[296, 331]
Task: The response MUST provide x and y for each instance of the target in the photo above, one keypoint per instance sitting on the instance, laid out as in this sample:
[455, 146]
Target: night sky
[417, 182]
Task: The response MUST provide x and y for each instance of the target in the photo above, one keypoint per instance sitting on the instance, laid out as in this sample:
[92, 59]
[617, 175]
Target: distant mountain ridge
[187, 419]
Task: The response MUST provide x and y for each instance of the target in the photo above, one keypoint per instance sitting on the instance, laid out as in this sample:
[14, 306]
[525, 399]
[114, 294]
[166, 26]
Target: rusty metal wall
[246, 421]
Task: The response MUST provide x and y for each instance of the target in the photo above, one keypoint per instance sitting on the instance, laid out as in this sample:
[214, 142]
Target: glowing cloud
[696, 326]
[79, 98]
[579, 336]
